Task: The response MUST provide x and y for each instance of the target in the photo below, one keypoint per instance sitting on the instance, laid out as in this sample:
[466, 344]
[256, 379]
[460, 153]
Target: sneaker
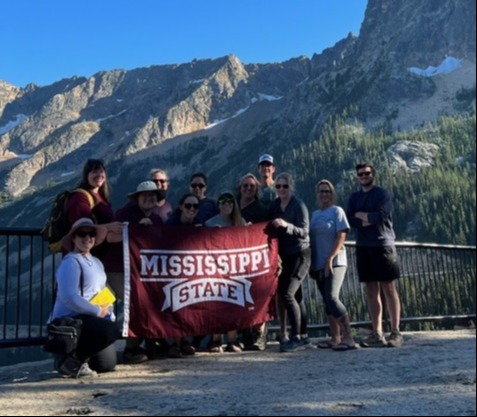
[292, 345]
[259, 341]
[376, 339]
[134, 356]
[86, 371]
[395, 339]
[248, 338]
[175, 352]
[74, 368]
[157, 348]
[187, 349]
[283, 339]
[216, 347]
[233, 347]
[305, 341]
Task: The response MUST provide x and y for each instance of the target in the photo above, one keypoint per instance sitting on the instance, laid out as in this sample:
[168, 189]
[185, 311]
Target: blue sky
[45, 41]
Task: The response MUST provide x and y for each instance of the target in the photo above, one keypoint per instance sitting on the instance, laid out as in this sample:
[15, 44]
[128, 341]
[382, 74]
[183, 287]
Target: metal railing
[438, 282]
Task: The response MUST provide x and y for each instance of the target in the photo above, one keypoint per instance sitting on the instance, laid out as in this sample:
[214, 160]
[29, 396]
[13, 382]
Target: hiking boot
[73, 367]
[292, 345]
[134, 356]
[375, 339]
[395, 339]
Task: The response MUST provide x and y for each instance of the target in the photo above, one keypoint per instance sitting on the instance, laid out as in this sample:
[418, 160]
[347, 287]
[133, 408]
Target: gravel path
[433, 374]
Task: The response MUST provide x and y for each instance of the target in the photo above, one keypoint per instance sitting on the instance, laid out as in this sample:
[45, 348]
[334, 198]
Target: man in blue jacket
[370, 212]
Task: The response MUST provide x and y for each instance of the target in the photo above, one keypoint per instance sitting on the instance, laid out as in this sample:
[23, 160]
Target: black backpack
[57, 226]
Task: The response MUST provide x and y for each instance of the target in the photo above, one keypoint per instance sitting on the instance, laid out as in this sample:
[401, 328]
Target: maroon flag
[185, 281]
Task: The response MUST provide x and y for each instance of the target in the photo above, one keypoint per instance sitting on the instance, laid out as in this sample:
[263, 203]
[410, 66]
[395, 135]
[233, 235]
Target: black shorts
[377, 264]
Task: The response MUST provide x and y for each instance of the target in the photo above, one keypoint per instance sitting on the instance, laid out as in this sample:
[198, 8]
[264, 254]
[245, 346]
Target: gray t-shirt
[218, 221]
[324, 226]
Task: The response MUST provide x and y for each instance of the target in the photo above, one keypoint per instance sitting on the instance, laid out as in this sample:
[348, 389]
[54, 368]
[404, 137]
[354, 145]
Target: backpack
[56, 226]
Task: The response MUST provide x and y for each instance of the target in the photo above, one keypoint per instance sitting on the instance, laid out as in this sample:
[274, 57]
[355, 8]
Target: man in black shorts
[370, 212]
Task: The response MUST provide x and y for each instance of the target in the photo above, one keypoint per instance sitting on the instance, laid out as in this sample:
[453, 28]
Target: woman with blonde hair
[248, 196]
[328, 230]
[291, 221]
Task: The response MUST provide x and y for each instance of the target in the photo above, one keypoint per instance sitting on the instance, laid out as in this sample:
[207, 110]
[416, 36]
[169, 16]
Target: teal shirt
[268, 195]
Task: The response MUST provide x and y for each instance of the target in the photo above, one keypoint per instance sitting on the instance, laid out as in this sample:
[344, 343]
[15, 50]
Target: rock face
[412, 156]
[46, 133]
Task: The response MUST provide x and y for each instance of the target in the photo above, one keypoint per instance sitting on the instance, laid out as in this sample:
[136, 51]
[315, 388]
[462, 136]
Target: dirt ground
[433, 374]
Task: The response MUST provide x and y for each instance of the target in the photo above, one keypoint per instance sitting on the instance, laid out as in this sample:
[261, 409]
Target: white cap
[265, 158]
[145, 187]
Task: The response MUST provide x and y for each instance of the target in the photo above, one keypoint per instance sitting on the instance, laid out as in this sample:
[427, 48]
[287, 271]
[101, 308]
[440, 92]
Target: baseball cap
[265, 158]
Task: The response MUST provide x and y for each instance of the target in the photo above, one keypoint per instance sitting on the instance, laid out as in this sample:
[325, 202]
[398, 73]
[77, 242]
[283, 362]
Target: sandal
[325, 345]
[344, 346]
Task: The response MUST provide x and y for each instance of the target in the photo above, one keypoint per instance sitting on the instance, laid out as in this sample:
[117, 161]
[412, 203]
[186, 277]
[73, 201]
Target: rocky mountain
[218, 115]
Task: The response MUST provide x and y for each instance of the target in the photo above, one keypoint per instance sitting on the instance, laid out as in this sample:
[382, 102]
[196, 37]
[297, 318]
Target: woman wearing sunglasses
[187, 212]
[252, 209]
[79, 278]
[291, 222]
[229, 212]
[207, 206]
[229, 215]
[328, 230]
[184, 215]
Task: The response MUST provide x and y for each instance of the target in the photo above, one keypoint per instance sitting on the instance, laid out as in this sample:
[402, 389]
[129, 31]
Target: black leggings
[96, 343]
[295, 270]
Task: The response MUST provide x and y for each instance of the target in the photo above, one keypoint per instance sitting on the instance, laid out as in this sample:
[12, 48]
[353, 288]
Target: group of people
[308, 246]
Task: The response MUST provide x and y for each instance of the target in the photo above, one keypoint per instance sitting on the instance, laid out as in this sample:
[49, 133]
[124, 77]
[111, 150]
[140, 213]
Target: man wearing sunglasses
[163, 208]
[370, 212]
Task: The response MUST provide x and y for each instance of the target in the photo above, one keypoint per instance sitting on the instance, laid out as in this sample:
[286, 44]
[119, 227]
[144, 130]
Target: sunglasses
[364, 174]
[226, 201]
[324, 192]
[83, 233]
[197, 185]
[248, 185]
[190, 206]
[160, 181]
[284, 186]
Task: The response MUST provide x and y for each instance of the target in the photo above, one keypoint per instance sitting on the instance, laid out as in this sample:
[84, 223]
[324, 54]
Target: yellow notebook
[104, 297]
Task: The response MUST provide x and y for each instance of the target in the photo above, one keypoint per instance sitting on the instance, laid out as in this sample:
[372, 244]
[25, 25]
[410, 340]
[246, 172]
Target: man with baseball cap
[266, 168]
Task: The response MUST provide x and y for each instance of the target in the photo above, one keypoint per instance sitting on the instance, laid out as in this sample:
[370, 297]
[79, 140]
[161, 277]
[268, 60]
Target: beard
[161, 195]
